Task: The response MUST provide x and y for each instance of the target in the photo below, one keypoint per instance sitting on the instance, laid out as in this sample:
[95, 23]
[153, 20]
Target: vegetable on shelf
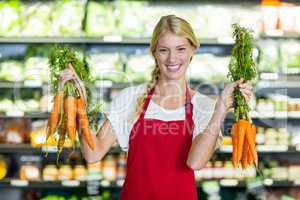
[242, 66]
[69, 111]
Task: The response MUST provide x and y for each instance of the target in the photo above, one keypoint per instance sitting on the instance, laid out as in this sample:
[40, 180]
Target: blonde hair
[169, 23]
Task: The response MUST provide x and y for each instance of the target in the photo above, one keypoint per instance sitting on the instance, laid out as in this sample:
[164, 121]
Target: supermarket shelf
[277, 84]
[266, 149]
[27, 148]
[280, 115]
[32, 115]
[275, 115]
[111, 40]
[227, 149]
[75, 40]
[75, 184]
[16, 183]
[107, 83]
[279, 34]
[37, 84]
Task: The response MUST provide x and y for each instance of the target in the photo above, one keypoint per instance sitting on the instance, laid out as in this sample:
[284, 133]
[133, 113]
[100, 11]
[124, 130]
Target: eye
[162, 50]
[182, 49]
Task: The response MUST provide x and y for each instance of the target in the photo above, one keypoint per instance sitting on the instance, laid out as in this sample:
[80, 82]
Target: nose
[172, 57]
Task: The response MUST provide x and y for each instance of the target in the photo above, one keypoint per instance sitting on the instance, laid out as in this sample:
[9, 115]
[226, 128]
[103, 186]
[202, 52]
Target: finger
[247, 96]
[246, 92]
[246, 85]
[70, 66]
[238, 82]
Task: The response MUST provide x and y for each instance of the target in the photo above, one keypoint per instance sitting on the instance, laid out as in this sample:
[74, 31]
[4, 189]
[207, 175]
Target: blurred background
[113, 38]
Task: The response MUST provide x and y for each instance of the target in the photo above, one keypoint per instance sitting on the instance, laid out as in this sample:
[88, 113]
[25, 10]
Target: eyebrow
[176, 46]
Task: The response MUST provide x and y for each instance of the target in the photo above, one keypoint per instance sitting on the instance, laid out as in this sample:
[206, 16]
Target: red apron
[157, 154]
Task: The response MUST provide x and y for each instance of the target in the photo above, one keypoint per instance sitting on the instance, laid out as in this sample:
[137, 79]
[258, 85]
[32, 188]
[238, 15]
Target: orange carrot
[55, 114]
[249, 157]
[251, 135]
[244, 160]
[70, 110]
[234, 136]
[242, 127]
[62, 134]
[84, 122]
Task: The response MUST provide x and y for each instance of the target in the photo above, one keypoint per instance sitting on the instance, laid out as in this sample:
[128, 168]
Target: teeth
[173, 66]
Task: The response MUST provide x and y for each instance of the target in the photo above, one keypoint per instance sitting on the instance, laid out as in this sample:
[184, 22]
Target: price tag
[225, 40]
[15, 113]
[294, 114]
[268, 181]
[105, 183]
[49, 149]
[70, 183]
[93, 187]
[112, 38]
[19, 183]
[226, 148]
[297, 182]
[281, 114]
[33, 83]
[229, 182]
[272, 148]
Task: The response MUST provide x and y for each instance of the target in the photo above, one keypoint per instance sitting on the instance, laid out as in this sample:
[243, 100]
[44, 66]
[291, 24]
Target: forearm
[90, 155]
[103, 142]
[203, 145]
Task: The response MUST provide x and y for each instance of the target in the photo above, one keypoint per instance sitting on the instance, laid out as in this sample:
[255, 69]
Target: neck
[171, 88]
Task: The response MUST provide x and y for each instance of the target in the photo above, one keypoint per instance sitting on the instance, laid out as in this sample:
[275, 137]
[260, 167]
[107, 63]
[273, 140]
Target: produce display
[242, 66]
[11, 70]
[99, 21]
[36, 15]
[12, 25]
[103, 36]
[132, 19]
[106, 66]
[69, 111]
[290, 56]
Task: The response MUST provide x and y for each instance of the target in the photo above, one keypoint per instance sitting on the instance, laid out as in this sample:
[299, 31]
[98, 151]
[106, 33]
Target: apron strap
[189, 112]
[146, 102]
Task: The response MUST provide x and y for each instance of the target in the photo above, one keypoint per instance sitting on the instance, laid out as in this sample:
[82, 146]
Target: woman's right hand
[69, 74]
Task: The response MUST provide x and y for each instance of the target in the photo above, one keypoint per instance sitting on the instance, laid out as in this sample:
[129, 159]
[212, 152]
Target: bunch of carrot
[69, 118]
[69, 111]
[243, 141]
[243, 132]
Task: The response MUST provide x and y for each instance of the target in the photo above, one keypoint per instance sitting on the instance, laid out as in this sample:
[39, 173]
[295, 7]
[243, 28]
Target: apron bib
[157, 154]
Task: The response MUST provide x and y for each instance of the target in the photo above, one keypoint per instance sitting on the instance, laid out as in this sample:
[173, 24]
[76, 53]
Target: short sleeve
[120, 113]
[203, 108]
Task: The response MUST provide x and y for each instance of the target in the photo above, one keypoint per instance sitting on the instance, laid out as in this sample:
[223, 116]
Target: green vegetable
[67, 18]
[10, 23]
[59, 59]
[242, 65]
[37, 18]
[11, 70]
[100, 20]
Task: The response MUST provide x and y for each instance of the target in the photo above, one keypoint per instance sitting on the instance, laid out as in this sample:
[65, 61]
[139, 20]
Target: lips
[173, 68]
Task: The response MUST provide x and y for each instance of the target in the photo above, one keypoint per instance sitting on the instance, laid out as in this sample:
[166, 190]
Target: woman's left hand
[225, 100]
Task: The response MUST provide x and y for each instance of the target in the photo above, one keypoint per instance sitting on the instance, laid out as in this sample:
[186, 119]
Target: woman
[168, 129]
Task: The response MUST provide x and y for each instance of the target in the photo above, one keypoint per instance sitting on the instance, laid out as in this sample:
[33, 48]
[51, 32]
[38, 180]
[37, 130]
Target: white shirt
[123, 106]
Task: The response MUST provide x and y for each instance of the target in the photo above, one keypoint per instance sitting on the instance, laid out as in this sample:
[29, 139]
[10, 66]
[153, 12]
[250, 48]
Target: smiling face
[173, 54]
